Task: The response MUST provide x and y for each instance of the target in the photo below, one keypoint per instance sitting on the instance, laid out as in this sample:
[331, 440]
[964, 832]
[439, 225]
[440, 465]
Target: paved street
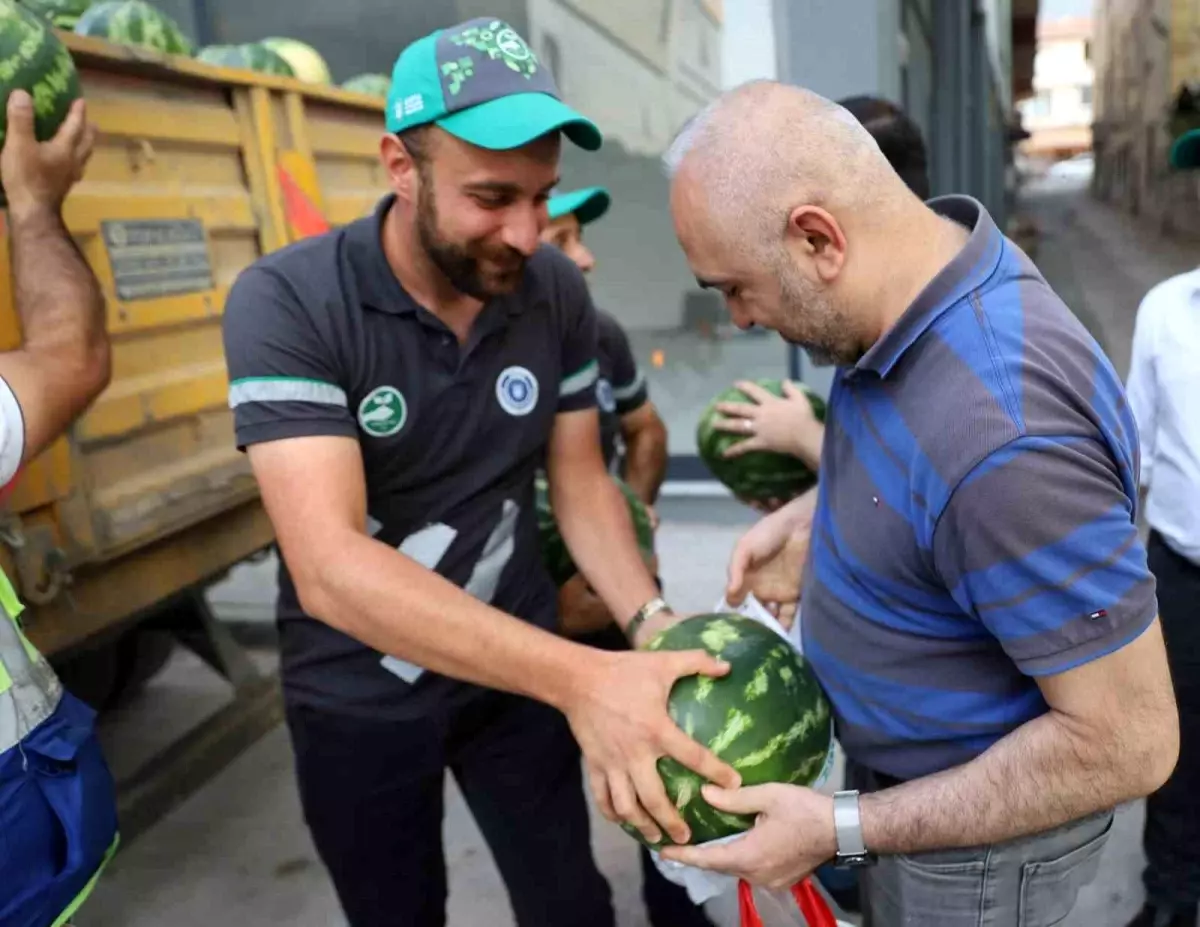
[237, 852]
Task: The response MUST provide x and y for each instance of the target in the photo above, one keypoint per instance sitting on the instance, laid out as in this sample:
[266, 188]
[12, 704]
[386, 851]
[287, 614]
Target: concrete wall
[1142, 51]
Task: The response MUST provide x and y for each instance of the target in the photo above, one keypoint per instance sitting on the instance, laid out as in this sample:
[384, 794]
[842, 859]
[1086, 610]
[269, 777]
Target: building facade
[1058, 116]
[1145, 52]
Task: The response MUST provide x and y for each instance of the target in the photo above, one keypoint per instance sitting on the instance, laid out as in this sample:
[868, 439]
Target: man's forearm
[1040, 776]
[595, 523]
[57, 295]
[646, 462]
[396, 606]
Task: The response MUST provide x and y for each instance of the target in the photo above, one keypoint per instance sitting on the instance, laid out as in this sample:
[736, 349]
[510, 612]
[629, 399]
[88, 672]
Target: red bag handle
[816, 912]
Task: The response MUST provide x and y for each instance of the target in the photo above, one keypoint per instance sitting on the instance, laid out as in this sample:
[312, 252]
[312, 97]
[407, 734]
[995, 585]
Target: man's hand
[769, 562]
[793, 835]
[38, 175]
[618, 713]
[769, 423]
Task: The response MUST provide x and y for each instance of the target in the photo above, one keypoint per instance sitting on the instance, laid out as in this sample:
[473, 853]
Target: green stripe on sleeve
[583, 378]
[285, 389]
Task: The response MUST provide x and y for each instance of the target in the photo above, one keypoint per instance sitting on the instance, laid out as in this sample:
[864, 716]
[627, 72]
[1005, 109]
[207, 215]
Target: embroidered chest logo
[604, 396]
[517, 391]
[383, 412]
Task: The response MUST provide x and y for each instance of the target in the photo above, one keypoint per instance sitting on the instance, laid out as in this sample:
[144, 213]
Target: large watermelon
[759, 475]
[62, 13]
[305, 60]
[252, 56]
[376, 85]
[33, 59]
[554, 549]
[767, 718]
[134, 22]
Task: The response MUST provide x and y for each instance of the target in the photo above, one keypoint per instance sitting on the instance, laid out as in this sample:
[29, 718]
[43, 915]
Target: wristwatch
[650, 609]
[851, 851]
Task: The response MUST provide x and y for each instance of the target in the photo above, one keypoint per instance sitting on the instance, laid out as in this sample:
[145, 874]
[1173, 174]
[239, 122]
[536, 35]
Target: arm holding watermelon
[786, 425]
[768, 561]
[64, 360]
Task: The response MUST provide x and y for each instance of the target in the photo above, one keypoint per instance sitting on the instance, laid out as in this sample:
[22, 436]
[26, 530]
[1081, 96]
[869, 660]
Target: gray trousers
[1031, 882]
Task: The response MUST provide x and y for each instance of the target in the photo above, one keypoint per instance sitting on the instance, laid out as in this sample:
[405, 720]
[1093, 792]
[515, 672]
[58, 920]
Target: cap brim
[587, 205]
[519, 118]
[1185, 153]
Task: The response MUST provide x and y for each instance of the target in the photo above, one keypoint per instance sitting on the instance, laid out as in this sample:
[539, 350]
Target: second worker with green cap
[396, 384]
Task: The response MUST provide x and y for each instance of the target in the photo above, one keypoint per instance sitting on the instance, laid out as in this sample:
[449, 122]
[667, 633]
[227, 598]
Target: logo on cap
[517, 391]
[498, 41]
[383, 412]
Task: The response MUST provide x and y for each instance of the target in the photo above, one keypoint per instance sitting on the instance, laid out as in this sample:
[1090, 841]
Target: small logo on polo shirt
[517, 391]
[604, 396]
[383, 412]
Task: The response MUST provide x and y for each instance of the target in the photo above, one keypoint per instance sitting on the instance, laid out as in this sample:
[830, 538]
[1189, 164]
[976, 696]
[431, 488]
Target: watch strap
[847, 825]
[647, 611]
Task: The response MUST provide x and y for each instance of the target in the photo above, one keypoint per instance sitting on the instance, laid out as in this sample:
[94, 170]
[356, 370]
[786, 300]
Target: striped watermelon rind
[63, 14]
[758, 476]
[768, 718]
[375, 85]
[134, 22]
[251, 56]
[32, 58]
[555, 554]
[306, 61]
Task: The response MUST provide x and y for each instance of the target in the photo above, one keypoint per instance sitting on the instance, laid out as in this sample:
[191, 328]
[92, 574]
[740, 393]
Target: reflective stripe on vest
[29, 690]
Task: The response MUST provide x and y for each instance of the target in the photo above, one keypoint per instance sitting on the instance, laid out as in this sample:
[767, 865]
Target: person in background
[633, 436]
[58, 819]
[977, 605]
[787, 425]
[1164, 379]
[634, 441]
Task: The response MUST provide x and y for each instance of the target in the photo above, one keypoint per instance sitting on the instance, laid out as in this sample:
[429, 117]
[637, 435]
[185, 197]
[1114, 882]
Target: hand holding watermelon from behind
[761, 439]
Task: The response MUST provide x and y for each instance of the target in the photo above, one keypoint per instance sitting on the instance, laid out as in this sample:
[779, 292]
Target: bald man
[976, 601]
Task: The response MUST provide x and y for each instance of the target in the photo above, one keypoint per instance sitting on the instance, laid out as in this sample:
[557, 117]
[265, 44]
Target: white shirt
[1164, 395]
[12, 433]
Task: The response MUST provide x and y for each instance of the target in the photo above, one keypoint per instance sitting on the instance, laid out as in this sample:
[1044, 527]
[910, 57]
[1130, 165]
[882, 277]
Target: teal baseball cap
[481, 82]
[1185, 152]
[588, 204]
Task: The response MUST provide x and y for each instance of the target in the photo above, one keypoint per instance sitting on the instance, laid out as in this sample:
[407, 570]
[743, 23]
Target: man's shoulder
[1169, 293]
[305, 261]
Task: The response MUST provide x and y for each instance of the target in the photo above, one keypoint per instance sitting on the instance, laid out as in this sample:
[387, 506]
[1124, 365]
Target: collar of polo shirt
[970, 269]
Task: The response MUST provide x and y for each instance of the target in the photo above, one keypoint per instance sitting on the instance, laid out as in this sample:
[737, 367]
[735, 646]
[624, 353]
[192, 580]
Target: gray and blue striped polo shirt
[976, 522]
[321, 339]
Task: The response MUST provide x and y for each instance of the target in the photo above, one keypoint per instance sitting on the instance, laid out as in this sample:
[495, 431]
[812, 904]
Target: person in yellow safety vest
[58, 821]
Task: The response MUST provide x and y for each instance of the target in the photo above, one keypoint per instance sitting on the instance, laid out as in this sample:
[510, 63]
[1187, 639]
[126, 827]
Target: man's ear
[401, 167]
[816, 238]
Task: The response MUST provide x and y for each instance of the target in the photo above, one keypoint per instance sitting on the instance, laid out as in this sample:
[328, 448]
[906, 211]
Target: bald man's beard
[811, 319]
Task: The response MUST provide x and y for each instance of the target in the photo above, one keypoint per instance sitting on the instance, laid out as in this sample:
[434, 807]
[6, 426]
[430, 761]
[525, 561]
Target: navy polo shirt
[975, 527]
[621, 387]
[321, 339]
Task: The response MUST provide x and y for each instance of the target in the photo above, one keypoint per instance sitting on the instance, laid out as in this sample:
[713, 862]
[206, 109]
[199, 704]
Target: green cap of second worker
[482, 82]
[588, 204]
[1185, 152]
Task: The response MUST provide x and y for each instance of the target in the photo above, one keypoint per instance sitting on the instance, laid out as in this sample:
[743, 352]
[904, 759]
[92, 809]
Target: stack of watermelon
[253, 56]
[554, 549]
[767, 718]
[134, 22]
[306, 62]
[63, 14]
[38, 63]
[758, 476]
[375, 85]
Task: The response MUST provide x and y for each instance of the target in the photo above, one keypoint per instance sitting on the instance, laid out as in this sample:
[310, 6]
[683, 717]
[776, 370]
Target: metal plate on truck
[157, 257]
